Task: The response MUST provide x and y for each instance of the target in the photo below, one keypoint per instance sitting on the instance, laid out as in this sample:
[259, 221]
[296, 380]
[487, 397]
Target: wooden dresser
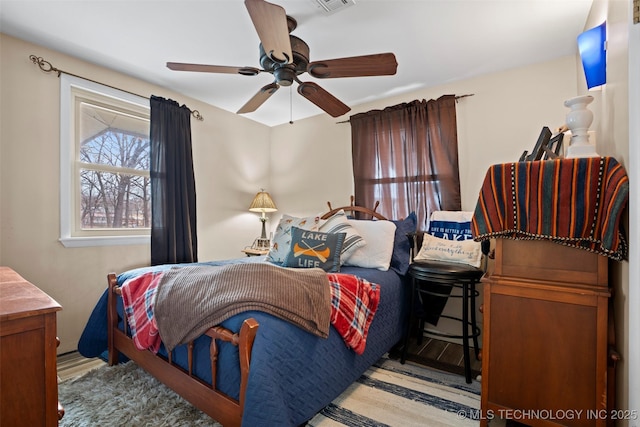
[28, 379]
[545, 341]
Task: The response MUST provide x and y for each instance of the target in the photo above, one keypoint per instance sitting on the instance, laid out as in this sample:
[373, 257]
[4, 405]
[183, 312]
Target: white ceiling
[435, 42]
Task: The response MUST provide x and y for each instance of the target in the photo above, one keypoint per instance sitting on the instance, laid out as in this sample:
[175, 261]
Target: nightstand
[255, 252]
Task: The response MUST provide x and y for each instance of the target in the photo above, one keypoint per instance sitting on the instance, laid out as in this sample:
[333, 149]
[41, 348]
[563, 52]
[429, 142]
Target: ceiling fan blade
[270, 21]
[381, 64]
[323, 99]
[259, 98]
[203, 68]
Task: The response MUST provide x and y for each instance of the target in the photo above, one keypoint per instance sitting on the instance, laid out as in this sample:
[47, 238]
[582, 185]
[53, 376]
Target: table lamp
[262, 203]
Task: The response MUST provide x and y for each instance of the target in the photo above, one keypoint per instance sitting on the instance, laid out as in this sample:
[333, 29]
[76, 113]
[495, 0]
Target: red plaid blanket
[354, 302]
[138, 298]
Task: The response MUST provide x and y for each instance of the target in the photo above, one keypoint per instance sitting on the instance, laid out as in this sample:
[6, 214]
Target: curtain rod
[457, 97]
[48, 68]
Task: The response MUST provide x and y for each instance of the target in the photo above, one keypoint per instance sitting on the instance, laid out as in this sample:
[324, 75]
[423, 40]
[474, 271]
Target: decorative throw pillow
[379, 235]
[282, 237]
[315, 249]
[460, 251]
[338, 223]
[401, 257]
[452, 225]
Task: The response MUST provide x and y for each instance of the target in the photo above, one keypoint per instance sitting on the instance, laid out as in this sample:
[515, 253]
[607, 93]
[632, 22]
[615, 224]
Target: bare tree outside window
[114, 170]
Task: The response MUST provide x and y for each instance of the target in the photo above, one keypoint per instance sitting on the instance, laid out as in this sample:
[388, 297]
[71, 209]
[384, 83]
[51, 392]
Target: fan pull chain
[291, 105]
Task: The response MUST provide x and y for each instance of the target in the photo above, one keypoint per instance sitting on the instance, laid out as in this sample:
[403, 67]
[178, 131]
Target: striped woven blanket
[575, 202]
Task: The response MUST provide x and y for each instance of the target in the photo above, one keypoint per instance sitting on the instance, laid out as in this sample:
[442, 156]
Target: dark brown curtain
[173, 190]
[406, 157]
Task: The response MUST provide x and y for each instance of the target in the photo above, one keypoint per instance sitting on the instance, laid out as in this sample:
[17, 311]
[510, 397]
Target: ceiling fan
[287, 56]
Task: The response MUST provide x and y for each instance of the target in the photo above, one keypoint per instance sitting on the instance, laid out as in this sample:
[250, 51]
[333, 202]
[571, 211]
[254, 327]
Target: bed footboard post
[112, 318]
[245, 346]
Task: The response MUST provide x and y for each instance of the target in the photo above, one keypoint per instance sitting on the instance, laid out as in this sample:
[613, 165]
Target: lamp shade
[591, 45]
[263, 203]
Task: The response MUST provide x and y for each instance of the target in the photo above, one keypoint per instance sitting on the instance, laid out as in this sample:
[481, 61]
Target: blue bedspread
[294, 374]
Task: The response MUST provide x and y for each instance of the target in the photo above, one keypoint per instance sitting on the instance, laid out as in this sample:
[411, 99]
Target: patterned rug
[388, 394]
[392, 394]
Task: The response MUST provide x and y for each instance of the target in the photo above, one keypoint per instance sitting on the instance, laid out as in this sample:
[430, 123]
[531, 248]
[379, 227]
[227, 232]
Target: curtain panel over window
[406, 157]
[173, 191]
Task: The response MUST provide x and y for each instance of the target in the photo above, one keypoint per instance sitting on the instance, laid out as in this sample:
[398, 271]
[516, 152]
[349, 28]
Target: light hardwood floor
[73, 364]
[438, 354]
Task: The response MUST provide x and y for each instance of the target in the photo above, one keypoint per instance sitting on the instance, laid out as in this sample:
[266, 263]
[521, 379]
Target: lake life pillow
[459, 251]
[282, 237]
[315, 249]
[338, 223]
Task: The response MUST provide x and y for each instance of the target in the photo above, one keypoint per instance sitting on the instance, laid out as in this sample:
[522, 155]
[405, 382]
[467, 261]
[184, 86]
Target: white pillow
[338, 223]
[459, 251]
[281, 243]
[380, 236]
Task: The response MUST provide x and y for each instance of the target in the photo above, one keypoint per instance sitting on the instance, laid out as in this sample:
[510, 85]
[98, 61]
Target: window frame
[69, 174]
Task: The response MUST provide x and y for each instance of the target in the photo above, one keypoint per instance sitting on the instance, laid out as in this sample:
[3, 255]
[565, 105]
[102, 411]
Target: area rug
[388, 394]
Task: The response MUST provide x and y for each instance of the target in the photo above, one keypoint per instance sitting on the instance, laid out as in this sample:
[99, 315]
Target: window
[406, 158]
[399, 169]
[105, 194]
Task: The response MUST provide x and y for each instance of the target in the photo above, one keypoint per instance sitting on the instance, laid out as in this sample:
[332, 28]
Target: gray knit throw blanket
[194, 298]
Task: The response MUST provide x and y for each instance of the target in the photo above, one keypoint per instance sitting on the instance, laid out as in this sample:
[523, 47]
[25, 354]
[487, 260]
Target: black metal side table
[425, 278]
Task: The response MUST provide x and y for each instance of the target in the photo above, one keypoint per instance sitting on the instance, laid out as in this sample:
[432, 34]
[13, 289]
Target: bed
[266, 370]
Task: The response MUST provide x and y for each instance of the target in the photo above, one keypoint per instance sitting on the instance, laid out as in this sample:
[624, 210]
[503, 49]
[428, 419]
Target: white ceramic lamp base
[578, 121]
[575, 150]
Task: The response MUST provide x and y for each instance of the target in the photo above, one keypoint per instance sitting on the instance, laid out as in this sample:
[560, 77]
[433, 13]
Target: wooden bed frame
[203, 396]
[206, 397]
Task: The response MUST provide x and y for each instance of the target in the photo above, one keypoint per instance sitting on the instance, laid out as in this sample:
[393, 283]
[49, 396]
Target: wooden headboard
[353, 208]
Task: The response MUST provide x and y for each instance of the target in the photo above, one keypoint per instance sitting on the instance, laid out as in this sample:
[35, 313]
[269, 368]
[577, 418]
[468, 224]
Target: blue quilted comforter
[294, 374]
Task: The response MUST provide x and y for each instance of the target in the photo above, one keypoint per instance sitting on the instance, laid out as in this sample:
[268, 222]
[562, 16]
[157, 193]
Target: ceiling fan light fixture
[284, 76]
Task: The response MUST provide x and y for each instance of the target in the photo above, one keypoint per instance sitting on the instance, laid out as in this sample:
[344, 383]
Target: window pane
[113, 200]
[113, 138]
